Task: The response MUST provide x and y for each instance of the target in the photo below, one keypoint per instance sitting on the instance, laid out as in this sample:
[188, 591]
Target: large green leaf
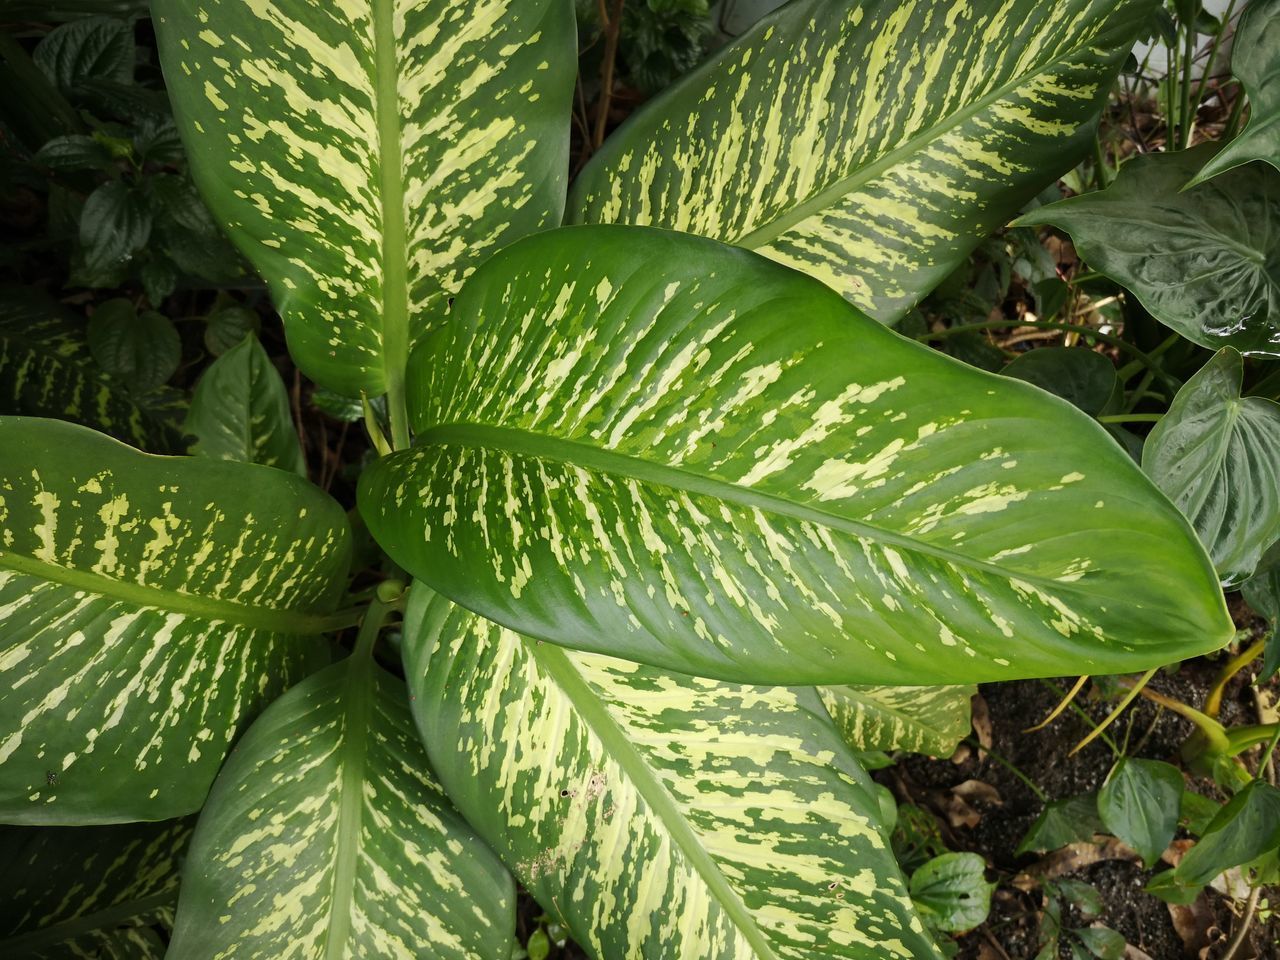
[663, 448]
[1217, 455]
[240, 411]
[1243, 830]
[365, 157]
[657, 815]
[90, 891]
[1255, 60]
[350, 849]
[1204, 261]
[148, 607]
[869, 144]
[928, 720]
[1139, 804]
[46, 369]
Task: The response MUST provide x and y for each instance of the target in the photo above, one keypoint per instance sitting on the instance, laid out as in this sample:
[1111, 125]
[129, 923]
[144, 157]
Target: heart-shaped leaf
[148, 607]
[365, 157]
[327, 804]
[1204, 261]
[873, 144]
[657, 815]
[1139, 804]
[1217, 455]
[660, 447]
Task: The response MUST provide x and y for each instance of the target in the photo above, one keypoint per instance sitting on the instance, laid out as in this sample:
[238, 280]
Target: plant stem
[1213, 51]
[1062, 705]
[1188, 65]
[1008, 765]
[1120, 707]
[1131, 418]
[612, 30]
[1233, 121]
[1100, 159]
[1213, 702]
[375, 615]
[1080, 712]
[1246, 921]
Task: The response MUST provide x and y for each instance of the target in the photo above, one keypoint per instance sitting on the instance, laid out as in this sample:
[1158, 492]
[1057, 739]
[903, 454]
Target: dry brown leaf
[1072, 857]
[981, 724]
[1192, 922]
[975, 791]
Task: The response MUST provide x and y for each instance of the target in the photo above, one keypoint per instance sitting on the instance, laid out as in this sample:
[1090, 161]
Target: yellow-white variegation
[664, 448]
[326, 837]
[928, 720]
[148, 607]
[869, 143]
[366, 156]
[656, 815]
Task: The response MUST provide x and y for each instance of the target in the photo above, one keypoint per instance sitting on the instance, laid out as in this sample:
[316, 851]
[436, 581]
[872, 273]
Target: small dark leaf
[951, 891]
[1139, 804]
[95, 47]
[114, 225]
[1262, 593]
[1103, 942]
[229, 326]
[1081, 377]
[142, 349]
[159, 278]
[74, 152]
[1062, 822]
[1083, 896]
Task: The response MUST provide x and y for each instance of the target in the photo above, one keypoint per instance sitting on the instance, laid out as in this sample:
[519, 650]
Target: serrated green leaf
[89, 891]
[929, 720]
[659, 447]
[1203, 261]
[1217, 455]
[91, 48]
[328, 807]
[140, 349]
[240, 411]
[869, 144]
[1246, 828]
[1255, 61]
[379, 151]
[1139, 804]
[114, 225]
[658, 815]
[46, 370]
[1085, 379]
[74, 152]
[148, 607]
[952, 891]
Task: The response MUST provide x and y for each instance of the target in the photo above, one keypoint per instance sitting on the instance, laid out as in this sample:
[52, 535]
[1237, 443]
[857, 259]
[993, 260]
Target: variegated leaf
[94, 892]
[869, 144]
[663, 448]
[366, 156]
[928, 720]
[46, 370]
[656, 815]
[326, 837]
[148, 607]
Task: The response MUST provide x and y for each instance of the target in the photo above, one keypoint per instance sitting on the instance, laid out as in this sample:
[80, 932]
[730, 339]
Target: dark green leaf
[142, 349]
[1062, 822]
[1262, 592]
[335, 405]
[1083, 896]
[74, 151]
[240, 411]
[159, 278]
[89, 891]
[95, 47]
[1103, 942]
[1255, 61]
[228, 326]
[1197, 811]
[952, 893]
[114, 225]
[1243, 830]
[1139, 804]
[1165, 885]
[734, 473]
[1083, 378]
[1204, 261]
[1217, 456]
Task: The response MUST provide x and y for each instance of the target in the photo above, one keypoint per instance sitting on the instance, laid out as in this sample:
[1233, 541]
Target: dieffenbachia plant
[687, 522]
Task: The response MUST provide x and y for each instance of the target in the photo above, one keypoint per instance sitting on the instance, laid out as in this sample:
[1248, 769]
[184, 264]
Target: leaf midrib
[202, 608]
[824, 199]
[574, 453]
[622, 751]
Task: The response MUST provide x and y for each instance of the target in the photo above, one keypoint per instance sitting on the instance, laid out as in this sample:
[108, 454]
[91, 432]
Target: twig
[612, 29]
[1242, 931]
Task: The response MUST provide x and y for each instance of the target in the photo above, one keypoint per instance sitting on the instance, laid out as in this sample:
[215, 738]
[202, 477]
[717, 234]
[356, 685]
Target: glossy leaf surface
[670, 450]
[46, 370]
[1205, 261]
[929, 720]
[1255, 61]
[1062, 822]
[658, 816]
[90, 891]
[952, 891]
[148, 606]
[141, 349]
[325, 836]
[871, 145]
[1243, 830]
[1139, 804]
[365, 157]
[1217, 455]
[240, 411]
